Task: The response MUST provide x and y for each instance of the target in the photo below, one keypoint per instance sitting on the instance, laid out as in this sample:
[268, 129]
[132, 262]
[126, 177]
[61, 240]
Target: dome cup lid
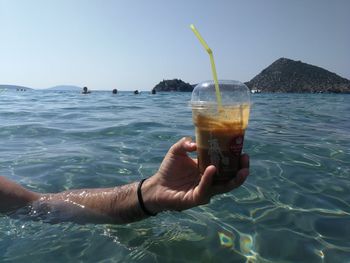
[232, 93]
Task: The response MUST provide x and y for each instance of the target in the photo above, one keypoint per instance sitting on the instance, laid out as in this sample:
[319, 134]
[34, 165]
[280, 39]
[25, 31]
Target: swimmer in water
[85, 91]
[176, 186]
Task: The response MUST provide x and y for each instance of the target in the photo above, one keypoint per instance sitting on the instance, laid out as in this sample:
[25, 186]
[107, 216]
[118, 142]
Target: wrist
[148, 192]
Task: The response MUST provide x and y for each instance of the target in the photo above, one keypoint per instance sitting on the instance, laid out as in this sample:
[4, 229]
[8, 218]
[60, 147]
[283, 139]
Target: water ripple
[294, 207]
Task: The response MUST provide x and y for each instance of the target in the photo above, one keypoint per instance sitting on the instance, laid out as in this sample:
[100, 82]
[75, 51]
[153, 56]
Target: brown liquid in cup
[220, 140]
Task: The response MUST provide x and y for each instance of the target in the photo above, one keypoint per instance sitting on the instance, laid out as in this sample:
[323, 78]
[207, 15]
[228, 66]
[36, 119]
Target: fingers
[206, 189]
[183, 146]
[236, 182]
[244, 161]
[239, 179]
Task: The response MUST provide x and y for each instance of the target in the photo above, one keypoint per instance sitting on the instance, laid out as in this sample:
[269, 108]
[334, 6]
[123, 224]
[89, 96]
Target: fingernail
[188, 138]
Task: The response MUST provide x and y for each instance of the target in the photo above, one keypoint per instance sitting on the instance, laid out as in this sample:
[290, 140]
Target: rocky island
[287, 75]
[173, 85]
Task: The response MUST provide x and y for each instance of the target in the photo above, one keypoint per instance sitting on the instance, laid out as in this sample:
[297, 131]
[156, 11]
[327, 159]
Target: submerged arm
[101, 205]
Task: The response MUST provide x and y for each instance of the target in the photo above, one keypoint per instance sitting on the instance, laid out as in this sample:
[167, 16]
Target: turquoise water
[294, 207]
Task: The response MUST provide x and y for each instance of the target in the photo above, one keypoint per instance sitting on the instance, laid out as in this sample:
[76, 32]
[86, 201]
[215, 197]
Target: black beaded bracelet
[139, 196]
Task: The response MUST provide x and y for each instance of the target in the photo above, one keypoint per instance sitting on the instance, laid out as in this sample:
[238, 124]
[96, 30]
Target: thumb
[205, 185]
[183, 146]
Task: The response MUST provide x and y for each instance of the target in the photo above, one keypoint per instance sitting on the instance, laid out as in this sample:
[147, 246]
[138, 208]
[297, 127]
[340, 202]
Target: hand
[178, 185]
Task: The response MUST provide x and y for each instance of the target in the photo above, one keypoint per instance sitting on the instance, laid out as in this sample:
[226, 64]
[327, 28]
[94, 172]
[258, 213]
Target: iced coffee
[220, 128]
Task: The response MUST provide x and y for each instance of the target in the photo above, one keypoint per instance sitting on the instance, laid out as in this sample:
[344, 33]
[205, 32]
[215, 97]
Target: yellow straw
[213, 68]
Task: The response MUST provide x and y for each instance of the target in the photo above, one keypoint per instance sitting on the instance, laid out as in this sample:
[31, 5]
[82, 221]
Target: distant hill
[287, 75]
[14, 87]
[65, 88]
[173, 85]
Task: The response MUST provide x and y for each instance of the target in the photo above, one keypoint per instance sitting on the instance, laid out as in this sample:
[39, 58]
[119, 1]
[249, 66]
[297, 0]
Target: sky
[135, 44]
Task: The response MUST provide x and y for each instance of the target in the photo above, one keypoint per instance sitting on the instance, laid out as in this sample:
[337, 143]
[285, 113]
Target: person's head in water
[136, 92]
[85, 90]
[115, 91]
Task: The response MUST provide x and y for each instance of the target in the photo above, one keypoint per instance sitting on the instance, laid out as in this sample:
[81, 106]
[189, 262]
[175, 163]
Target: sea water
[294, 207]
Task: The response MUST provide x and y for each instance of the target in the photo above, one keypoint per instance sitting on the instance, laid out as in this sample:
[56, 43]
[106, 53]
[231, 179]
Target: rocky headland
[287, 75]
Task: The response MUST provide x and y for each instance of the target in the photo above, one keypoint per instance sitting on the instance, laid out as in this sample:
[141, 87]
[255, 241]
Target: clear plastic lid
[232, 93]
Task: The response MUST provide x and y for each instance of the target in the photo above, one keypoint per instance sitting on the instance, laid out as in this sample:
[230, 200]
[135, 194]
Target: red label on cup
[236, 145]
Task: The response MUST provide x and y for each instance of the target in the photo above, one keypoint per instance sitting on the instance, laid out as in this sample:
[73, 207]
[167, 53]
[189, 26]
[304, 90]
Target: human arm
[101, 205]
[177, 185]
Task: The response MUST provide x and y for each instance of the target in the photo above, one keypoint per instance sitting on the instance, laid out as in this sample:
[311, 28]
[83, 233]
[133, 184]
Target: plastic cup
[220, 128]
